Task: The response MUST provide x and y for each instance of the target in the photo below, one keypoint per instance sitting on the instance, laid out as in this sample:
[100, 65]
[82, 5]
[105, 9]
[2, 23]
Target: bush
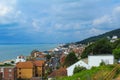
[78, 69]
[102, 63]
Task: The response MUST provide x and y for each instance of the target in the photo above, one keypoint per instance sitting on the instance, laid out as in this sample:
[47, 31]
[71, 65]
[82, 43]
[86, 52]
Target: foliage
[95, 38]
[102, 46]
[89, 74]
[102, 63]
[87, 51]
[12, 62]
[6, 64]
[78, 69]
[116, 44]
[116, 53]
[70, 59]
[48, 57]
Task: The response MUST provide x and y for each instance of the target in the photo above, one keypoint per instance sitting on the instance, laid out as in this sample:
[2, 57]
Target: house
[39, 68]
[79, 63]
[93, 60]
[20, 59]
[58, 73]
[25, 70]
[8, 73]
[114, 38]
[38, 54]
[62, 58]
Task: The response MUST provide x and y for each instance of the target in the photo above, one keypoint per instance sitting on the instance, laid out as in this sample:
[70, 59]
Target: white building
[79, 63]
[20, 59]
[97, 59]
[93, 60]
[114, 38]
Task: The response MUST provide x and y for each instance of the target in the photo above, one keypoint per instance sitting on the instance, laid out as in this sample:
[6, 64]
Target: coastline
[11, 51]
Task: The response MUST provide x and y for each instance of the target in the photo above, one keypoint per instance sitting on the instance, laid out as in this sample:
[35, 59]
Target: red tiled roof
[27, 64]
[60, 72]
[39, 63]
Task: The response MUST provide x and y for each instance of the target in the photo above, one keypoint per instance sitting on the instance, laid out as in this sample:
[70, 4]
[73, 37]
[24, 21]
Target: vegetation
[116, 53]
[102, 46]
[48, 57]
[95, 38]
[95, 72]
[6, 64]
[78, 69]
[70, 59]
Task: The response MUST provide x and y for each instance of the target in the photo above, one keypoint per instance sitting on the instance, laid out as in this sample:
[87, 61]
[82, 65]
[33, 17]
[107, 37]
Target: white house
[93, 60]
[20, 59]
[79, 63]
[114, 38]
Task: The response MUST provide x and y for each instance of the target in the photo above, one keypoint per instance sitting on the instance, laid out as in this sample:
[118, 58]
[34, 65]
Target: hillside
[96, 73]
[95, 38]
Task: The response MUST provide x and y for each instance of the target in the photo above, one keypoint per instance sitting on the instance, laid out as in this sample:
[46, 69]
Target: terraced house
[25, 70]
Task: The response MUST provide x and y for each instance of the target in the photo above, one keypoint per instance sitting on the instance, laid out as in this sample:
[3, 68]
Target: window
[19, 72]
[10, 70]
[19, 68]
[10, 75]
[19, 77]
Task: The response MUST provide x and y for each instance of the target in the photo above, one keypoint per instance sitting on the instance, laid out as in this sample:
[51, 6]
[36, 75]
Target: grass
[96, 73]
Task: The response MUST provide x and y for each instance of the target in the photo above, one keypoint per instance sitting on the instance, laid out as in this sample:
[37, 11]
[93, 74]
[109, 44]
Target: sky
[56, 21]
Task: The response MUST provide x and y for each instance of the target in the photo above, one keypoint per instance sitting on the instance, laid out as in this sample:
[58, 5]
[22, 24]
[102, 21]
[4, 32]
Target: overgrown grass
[95, 72]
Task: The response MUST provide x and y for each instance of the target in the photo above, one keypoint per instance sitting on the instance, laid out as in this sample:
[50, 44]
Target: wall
[96, 60]
[25, 73]
[71, 68]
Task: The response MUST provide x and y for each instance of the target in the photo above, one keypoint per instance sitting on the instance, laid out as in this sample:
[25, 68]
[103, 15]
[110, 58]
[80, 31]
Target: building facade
[25, 70]
[8, 73]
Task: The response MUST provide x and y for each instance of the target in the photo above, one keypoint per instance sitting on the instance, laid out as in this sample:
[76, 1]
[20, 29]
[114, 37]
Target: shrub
[78, 69]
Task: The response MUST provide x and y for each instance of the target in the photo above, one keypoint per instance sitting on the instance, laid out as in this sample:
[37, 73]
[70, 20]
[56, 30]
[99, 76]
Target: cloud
[58, 20]
[8, 11]
[102, 20]
[108, 21]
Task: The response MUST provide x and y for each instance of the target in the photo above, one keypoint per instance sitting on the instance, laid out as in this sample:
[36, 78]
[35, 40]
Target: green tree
[102, 46]
[78, 69]
[87, 51]
[48, 57]
[12, 62]
[116, 44]
[70, 59]
[116, 53]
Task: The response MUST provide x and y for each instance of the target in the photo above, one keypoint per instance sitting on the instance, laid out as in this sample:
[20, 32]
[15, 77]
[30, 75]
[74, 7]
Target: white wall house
[20, 59]
[95, 60]
[79, 63]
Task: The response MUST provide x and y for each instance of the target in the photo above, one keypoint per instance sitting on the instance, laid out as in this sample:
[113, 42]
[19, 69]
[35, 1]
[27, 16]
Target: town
[48, 65]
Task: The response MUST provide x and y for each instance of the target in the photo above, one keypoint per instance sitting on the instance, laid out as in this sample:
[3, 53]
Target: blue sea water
[11, 51]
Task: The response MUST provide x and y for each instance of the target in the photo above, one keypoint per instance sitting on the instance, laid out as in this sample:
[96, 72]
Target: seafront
[11, 51]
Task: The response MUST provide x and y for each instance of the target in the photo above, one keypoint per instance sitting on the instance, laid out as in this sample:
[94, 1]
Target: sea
[11, 51]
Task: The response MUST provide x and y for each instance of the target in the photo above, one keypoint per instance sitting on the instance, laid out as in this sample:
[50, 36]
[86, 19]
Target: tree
[78, 69]
[116, 53]
[87, 51]
[102, 46]
[12, 62]
[48, 57]
[70, 59]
